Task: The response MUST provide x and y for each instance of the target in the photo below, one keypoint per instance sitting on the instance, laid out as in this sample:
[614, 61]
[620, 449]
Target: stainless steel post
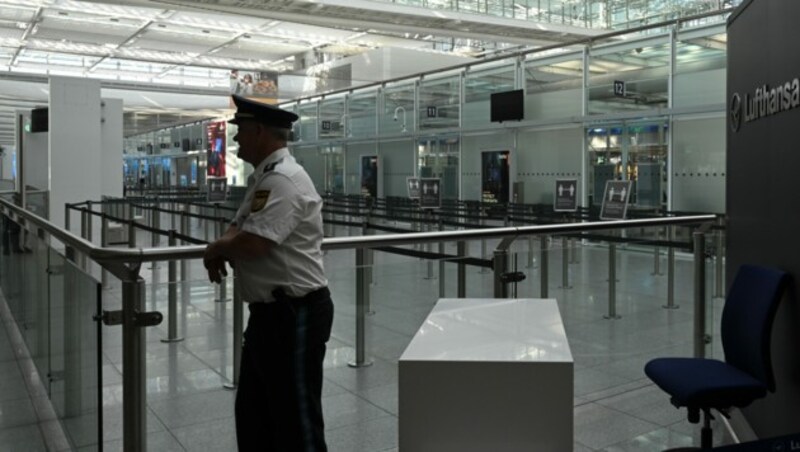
[362, 286]
[219, 225]
[719, 287]
[205, 226]
[656, 260]
[67, 216]
[461, 250]
[573, 250]
[442, 270]
[134, 421]
[131, 233]
[500, 267]
[155, 223]
[103, 243]
[565, 264]
[699, 294]
[531, 257]
[172, 300]
[238, 333]
[543, 266]
[90, 219]
[184, 262]
[612, 282]
[429, 245]
[671, 271]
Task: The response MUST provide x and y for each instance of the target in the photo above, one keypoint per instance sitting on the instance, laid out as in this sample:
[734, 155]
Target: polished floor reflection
[616, 407]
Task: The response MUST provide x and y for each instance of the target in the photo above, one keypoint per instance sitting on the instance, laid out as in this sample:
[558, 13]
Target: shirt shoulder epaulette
[272, 166]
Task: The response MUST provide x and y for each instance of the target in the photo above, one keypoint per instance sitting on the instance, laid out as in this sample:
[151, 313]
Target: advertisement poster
[217, 189]
[495, 176]
[566, 195]
[413, 187]
[615, 200]
[370, 176]
[254, 84]
[215, 165]
[430, 193]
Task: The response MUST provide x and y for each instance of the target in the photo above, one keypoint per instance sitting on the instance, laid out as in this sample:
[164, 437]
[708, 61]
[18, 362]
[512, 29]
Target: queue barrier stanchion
[172, 297]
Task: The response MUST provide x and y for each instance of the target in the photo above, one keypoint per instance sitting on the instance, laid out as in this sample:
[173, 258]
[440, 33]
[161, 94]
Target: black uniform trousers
[278, 402]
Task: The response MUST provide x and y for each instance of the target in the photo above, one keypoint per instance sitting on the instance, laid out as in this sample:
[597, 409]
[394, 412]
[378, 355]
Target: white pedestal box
[487, 375]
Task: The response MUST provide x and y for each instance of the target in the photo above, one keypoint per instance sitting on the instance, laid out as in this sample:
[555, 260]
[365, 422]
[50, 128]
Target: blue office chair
[746, 375]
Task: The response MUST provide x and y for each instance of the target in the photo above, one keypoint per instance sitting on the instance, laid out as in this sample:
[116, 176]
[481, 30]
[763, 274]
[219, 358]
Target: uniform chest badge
[259, 200]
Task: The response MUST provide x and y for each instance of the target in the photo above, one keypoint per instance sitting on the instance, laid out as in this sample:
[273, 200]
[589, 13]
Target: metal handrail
[133, 318]
[103, 255]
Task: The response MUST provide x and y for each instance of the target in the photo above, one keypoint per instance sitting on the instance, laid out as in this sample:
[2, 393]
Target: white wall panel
[698, 169]
[75, 144]
[546, 155]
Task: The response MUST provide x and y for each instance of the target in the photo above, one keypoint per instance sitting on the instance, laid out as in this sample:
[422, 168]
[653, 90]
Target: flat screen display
[507, 106]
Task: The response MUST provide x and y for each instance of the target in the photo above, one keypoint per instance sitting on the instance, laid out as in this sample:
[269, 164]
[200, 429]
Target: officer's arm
[241, 245]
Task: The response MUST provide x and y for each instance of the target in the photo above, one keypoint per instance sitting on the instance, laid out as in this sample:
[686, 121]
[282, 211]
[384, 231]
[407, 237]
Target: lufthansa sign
[765, 101]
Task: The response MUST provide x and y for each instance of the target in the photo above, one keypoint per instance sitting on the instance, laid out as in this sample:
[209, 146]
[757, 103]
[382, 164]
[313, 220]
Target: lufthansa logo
[736, 112]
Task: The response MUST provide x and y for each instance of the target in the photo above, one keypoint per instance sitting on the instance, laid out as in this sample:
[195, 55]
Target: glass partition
[308, 121]
[398, 109]
[55, 305]
[554, 86]
[438, 157]
[700, 70]
[439, 103]
[635, 151]
[363, 114]
[479, 84]
[75, 340]
[639, 71]
[332, 118]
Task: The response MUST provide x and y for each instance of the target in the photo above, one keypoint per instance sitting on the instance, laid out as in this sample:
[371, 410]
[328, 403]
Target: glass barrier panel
[308, 122]
[439, 103]
[363, 114]
[629, 77]
[479, 84]
[553, 86]
[74, 365]
[398, 109]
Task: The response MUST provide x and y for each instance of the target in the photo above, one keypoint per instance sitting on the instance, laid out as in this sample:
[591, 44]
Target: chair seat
[704, 383]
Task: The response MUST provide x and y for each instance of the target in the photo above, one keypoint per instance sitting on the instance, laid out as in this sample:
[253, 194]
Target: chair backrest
[747, 320]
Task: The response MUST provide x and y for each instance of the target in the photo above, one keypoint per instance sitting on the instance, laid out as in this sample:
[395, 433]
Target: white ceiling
[143, 50]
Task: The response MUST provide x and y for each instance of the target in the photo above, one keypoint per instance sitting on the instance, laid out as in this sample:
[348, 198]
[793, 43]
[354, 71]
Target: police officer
[274, 244]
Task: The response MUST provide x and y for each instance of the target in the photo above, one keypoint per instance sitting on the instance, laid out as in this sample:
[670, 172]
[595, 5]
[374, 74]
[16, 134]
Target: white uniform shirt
[282, 205]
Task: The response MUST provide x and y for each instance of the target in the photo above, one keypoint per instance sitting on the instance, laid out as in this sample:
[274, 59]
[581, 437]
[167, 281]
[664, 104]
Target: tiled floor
[616, 407]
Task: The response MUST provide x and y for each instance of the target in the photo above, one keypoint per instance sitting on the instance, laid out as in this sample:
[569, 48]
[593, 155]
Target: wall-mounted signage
[432, 113]
[763, 102]
[217, 189]
[215, 153]
[326, 125]
[413, 187]
[565, 198]
[495, 176]
[615, 200]
[620, 90]
[430, 193]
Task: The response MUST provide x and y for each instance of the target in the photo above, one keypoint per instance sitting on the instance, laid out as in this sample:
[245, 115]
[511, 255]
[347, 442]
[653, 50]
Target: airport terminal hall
[399, 225]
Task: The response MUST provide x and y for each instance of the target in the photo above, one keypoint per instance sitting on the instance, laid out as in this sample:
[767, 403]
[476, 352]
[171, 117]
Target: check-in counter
[487, 375]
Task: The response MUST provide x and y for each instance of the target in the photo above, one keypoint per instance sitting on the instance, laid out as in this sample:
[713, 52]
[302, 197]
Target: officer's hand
[216, 269]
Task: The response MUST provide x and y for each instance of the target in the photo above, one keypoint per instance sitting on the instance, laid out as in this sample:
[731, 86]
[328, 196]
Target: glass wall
[479, 84]
[630, 77]
[597, 112]
[439, 103]
[554, 86]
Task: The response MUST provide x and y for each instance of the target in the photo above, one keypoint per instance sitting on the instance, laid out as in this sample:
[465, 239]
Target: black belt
[311, 297]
